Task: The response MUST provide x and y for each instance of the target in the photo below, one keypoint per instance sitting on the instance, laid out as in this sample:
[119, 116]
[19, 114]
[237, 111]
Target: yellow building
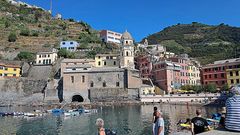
[10, 71]
[194, 74]
[107, 60]
[233, 76]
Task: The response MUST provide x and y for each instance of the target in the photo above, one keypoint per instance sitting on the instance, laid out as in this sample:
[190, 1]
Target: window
[223, 82]
[230, 67]
[215, 75]
[127, 53]
[83, 79]
[39, 56]
[117, 84]
[237, 73]
[210, 76]
[91, 84]
[48, 55]
[63, 43]
[99, 63]
[231, 73]
[6, 68]
[232, 81]
[39, 61]
[14, 75]
[5, 74]
[105, 63]
[14, 69]
[1, 67]
[71, 43]
[72, 79]
[99, 57]
[237, 80]
[104, 84]
[118, 76]
[222, 75]
[114, 62]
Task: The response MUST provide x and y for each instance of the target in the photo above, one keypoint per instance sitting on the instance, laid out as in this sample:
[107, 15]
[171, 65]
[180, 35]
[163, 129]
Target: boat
[30, 114]
[57, 111]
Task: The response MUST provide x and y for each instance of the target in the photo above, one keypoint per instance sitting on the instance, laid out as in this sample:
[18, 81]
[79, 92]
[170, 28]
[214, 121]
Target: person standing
[198, 123]
[154, 118]
[100, 124]
[159, 124]
[232, 121]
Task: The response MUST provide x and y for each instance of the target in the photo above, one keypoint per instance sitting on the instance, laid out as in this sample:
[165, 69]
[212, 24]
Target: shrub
[25, 32]
[35, 33]
[28, 56]
[12, 37]
[66, 54]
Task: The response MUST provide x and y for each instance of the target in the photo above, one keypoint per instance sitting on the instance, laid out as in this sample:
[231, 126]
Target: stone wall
[108, 94]
[21, 91]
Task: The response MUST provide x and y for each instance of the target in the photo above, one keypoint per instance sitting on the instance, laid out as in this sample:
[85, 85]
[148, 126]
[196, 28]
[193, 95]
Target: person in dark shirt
[154, 119]
[199, 123]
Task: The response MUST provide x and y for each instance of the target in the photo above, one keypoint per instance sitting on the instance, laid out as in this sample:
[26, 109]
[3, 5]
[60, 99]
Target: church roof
[127, 36]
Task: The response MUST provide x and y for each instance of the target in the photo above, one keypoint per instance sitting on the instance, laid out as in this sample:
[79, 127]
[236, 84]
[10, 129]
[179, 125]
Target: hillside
[207, 43]
[33, 29]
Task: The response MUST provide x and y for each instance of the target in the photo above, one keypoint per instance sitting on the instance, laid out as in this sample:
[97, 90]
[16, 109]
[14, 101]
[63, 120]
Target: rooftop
[77, 60]
[96, 69]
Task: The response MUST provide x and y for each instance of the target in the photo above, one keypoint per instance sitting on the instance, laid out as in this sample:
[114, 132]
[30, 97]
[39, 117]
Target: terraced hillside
[207, 43]
[32, 29]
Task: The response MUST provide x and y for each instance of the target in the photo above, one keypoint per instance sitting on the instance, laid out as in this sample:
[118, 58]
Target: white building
[108, 36]
[46, 58]
[69, 45]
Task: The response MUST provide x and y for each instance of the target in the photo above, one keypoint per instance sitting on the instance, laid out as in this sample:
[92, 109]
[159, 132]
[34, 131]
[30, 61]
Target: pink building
[144, 65]
[167, 75]
[184, 74]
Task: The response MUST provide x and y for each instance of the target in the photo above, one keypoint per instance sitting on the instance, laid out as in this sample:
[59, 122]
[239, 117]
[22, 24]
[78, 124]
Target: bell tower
[127, 51]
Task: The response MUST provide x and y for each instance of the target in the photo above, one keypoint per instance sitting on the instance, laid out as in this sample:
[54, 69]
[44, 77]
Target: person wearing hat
[232, 121]
[222, 119]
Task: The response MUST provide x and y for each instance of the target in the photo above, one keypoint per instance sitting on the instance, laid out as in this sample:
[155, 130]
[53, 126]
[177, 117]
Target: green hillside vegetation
[34, 30]
[205, 42]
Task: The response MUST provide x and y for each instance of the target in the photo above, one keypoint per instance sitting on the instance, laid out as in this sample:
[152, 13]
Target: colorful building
[144, 65]
[167, 75]
[9, 70]
[107, 60]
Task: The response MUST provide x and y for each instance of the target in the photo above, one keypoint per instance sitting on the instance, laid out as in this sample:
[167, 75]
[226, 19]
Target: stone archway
[77, 98]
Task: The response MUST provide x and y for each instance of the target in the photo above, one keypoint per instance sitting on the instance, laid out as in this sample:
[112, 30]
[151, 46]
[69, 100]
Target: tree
[12, 37]
[210, 88]
[27, 56]
[66, 54]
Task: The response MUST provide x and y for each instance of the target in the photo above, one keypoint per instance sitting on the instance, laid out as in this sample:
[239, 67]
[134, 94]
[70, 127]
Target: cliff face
[22, 91]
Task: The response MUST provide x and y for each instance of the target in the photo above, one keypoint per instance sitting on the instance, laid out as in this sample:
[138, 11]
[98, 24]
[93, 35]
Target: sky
[144, 17]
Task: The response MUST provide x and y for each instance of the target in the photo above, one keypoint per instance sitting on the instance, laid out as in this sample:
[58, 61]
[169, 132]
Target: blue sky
[144, 17]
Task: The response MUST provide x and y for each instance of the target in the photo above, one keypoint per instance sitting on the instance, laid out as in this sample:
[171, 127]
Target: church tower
[127, 51]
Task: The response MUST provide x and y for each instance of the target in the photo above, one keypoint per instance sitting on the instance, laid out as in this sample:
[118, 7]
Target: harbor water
[125, 120]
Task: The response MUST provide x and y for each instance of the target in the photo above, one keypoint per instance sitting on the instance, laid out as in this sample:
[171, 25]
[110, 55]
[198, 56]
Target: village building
[10, 69]
[46, 58]
[167, 75]
[87, 80]
[69, 45]
[108, 36]
[221, 73]
[107, 60]
[66, 63]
